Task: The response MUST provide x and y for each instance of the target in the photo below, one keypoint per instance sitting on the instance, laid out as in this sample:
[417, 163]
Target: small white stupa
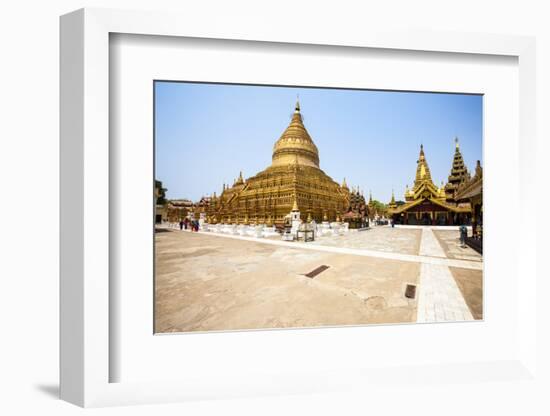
[295, 217]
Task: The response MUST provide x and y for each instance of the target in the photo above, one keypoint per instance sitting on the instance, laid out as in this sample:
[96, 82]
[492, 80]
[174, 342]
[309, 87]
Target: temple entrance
[426, 219]
[441, 218]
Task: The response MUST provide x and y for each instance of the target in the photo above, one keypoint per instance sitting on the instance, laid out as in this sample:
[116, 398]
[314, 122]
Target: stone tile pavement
[439, 298]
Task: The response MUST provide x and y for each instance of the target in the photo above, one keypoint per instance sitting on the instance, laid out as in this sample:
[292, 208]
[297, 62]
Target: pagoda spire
[423, 174]
[344, 184]
[295, 204]
[240, 179]
[458, 175]
[297, 108]
[392, 204]
[295, 141]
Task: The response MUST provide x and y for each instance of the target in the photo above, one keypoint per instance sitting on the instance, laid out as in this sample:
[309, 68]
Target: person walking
[181, 225]
[463, 235]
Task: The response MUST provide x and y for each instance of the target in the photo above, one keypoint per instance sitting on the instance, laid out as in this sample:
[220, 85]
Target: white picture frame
[85, 215]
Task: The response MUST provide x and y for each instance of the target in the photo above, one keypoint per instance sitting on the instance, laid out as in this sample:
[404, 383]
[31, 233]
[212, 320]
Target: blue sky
[206, 133]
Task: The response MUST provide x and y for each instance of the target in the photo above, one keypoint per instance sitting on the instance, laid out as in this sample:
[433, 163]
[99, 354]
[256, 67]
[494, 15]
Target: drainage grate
[315, 272]
[410, 291]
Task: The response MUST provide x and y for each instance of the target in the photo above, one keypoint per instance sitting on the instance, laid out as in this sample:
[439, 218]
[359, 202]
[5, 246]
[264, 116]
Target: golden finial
[295, 204]
[325, 217]
[344, 184]
[309, 216]
[456, 143]
[297, 109]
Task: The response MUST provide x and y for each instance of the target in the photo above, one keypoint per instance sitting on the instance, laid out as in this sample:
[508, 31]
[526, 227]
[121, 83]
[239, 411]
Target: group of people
[187, 223]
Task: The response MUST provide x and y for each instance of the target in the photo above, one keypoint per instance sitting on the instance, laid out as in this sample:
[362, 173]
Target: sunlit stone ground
[206, 282]
[209, 282]
[393, 240]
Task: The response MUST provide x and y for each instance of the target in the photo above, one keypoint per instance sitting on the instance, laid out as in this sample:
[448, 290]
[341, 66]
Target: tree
[160, 193]
[378, 206]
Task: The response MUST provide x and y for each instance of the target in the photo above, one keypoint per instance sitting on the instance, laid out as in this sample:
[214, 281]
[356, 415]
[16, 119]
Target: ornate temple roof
[423, 174]
[424, 190]
[473, 187]
[295, 144]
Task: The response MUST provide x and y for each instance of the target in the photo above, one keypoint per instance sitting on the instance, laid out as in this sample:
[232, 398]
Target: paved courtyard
[206, 281]
[393, 240]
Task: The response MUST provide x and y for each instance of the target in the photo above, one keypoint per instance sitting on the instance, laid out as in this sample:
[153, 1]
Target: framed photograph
[282, 212]
[248, 256]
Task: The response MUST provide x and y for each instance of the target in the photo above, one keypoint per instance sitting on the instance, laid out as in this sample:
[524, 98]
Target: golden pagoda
[293, 180]
[425, 203]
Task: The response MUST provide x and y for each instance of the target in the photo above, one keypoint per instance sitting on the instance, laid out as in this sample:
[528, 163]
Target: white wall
[29, 208]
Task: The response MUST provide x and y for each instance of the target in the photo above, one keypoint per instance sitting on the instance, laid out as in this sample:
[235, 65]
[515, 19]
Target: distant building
[179, 209]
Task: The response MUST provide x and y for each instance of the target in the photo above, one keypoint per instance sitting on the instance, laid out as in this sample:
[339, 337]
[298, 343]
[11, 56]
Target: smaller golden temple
[428, 204]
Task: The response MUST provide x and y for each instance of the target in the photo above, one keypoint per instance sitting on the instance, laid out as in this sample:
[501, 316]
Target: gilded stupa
[293, 180]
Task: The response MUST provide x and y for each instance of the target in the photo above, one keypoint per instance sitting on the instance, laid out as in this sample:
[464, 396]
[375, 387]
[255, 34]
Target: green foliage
[161, 192]
[379, 206]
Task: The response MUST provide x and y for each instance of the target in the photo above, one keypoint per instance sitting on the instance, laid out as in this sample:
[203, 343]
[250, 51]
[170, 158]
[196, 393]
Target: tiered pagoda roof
[459, 174]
